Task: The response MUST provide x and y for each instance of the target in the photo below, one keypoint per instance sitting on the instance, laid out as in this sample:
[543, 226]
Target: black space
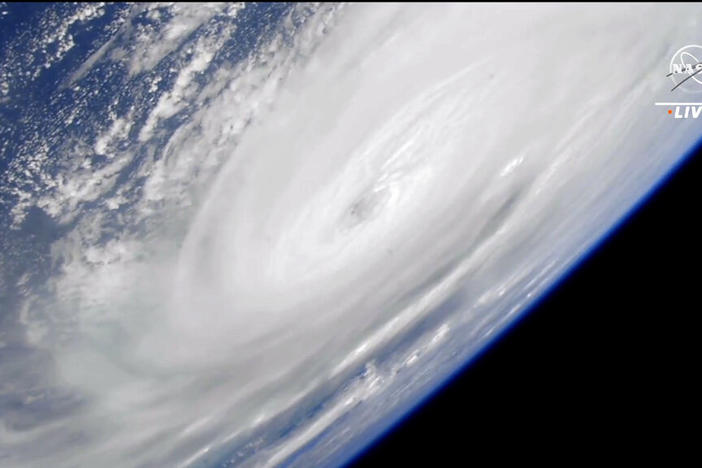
[604, 368]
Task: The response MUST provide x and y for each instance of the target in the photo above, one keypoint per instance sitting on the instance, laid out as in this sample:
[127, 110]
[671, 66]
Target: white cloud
[324, 196]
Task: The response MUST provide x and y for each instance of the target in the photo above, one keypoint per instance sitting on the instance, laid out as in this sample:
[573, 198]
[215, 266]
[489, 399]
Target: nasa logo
[685, 71]
[685, 67]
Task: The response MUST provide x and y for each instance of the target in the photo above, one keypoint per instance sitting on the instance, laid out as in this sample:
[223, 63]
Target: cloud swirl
[322, 227]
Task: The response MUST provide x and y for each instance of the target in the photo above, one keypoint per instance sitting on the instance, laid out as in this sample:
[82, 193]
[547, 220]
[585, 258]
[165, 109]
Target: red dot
[670, 111]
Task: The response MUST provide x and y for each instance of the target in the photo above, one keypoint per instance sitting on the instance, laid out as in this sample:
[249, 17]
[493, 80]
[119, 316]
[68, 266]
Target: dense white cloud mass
[250, 247]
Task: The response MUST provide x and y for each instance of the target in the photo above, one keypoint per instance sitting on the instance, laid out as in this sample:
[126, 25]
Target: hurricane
[257, 234]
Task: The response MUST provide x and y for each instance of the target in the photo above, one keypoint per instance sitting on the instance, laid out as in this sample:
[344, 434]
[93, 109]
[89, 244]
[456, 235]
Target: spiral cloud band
[320, 229]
